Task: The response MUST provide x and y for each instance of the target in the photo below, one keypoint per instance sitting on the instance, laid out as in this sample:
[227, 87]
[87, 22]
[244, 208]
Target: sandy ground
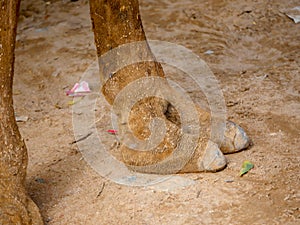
[256, 60]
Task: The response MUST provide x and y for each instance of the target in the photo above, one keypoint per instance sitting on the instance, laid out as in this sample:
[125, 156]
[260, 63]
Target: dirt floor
[256, 59]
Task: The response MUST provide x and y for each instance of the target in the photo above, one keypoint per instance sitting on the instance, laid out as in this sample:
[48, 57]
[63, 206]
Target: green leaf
[247, 165]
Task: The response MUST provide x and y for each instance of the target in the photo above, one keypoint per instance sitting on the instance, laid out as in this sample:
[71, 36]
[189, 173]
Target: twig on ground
[82, 138]
[101, 190]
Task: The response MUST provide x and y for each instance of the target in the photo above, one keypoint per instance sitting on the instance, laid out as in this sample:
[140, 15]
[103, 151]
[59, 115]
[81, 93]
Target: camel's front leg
[118, 22]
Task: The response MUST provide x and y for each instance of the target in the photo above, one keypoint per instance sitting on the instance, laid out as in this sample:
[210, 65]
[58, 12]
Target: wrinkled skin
[115, 22]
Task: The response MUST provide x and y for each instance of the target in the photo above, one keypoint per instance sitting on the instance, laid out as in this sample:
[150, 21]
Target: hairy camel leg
[118, 22]
[16, 207]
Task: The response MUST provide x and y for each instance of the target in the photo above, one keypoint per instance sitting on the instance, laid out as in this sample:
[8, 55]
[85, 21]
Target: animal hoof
[213, 159]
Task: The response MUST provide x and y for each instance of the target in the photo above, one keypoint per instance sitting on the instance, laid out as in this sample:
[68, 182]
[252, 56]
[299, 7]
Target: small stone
[209, 52]
[21, 118]
[228, 180]
[40, 180]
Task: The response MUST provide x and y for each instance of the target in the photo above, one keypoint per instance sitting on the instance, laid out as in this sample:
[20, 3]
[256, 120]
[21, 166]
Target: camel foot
[235, 139]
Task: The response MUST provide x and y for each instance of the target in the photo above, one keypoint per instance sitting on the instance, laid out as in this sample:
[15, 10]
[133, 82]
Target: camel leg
[118, 22]
[16, 207]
